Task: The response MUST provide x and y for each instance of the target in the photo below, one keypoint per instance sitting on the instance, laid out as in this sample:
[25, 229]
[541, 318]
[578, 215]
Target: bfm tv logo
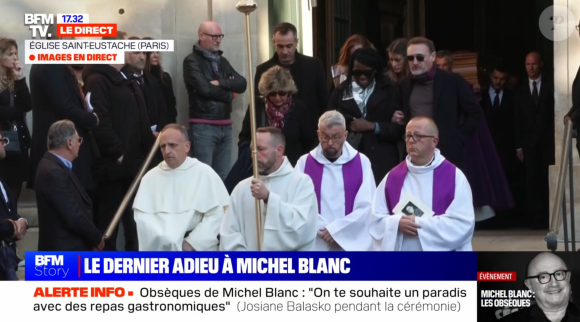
[47, 266]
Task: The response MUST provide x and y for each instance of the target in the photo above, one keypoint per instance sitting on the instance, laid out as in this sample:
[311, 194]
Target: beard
[264, 168]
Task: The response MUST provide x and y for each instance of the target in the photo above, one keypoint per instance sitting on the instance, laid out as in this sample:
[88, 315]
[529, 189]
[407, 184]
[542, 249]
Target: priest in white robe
[180, 203]
[288, 203]
[344, 185]
[428, 177]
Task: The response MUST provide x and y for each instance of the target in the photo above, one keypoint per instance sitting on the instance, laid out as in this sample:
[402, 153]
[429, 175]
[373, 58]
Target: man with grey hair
[65, 211]
[171, 213]
[344, 185]
[444, 60]
[549, 278]
[212, 84]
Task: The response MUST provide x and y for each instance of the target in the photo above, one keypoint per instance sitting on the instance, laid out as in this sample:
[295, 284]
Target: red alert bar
[496, 276]
[87, 30]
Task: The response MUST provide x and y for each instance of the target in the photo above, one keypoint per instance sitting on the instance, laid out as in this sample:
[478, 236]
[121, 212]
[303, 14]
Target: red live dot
[130, 293]
[31, 57]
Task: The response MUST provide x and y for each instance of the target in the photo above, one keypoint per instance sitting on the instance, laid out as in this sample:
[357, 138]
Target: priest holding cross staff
[283, 200]
[428, 177]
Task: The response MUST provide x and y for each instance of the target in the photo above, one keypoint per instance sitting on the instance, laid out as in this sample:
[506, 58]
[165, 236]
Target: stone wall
[161, 19]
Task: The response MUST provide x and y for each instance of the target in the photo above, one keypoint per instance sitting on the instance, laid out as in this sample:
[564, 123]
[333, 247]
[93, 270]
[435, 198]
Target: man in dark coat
[534, 139]
[12, 228]
[211, 84]
[65, 211]
[57, 95]
[124, 139]
[443, 96]
[307, 72]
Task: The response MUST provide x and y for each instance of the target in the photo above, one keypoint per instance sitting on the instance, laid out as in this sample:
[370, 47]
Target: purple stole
[443, 186]
[352, 175]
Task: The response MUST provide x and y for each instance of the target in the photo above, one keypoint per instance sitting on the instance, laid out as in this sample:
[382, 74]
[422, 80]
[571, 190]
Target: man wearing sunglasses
[443, 96]
[12, 228]
[211, 84]
[549, 278]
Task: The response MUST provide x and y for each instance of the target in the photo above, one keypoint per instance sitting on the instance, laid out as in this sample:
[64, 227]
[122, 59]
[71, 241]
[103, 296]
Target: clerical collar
[428, 164]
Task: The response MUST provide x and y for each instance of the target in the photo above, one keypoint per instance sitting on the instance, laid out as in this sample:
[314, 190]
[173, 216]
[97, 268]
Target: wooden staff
[247, 7]
[132, 189]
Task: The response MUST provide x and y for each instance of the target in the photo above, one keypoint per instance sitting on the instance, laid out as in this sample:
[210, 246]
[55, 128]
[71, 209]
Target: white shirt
[538, 84]
[492, 95]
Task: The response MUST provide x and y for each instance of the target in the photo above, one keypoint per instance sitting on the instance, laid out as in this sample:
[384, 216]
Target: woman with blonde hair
[277, 106]
[15, 102]
[340, 70]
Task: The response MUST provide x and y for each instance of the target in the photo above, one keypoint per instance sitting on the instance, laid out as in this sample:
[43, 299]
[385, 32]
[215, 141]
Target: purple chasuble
[443, 186]
[352, 176]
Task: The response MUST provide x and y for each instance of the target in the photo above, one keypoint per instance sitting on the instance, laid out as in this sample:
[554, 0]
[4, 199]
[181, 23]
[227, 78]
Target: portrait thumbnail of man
[549, 278]
[410, 209]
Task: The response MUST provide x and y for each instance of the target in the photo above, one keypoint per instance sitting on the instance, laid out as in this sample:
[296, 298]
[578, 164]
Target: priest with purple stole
[427, 177]
[344, 185]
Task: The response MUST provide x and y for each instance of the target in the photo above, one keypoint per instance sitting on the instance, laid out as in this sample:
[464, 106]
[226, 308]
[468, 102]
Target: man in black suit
[12, 228]
[57, 95]
[65, 212]
[442, 96]
[498, 103]
[307, 72]
[534, 138]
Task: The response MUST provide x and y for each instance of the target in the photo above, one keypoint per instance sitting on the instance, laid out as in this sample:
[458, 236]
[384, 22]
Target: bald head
[545, 262]
[210, 36]
[427, 124]
[421, 137]
[534, 65]
[209, 27]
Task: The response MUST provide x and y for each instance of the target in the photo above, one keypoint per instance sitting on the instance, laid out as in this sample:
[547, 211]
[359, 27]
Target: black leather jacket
[208, 101]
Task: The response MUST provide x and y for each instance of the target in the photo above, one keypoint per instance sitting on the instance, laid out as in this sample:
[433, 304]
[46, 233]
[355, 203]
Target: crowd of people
[336, 164]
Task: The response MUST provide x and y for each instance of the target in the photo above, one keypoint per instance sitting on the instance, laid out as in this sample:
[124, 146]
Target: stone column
[566, 63]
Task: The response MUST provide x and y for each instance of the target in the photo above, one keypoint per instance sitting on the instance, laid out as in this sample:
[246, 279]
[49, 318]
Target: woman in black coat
[15, 102]
[277, 107]
[153, 67]
[368, 102]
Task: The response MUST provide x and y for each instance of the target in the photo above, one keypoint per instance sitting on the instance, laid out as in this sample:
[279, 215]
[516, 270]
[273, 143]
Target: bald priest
[181, 202]
[430, 179]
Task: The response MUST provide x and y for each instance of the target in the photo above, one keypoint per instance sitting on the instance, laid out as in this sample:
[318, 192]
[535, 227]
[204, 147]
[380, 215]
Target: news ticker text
[453, 300]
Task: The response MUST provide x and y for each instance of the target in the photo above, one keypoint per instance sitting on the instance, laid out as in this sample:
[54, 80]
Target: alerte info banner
[262, 286]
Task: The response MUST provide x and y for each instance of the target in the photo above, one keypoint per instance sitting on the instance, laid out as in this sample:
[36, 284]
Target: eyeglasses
[411, 58]
[545, 278]
[215, 37]
[5, 141]
[279, 93]
[335, 138]
[417, 137]
[366, 73]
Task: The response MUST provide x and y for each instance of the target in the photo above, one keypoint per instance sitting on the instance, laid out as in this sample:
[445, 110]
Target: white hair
[332, 118]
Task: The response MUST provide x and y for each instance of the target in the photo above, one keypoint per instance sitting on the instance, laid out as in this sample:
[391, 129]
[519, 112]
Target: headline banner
[251, 266]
